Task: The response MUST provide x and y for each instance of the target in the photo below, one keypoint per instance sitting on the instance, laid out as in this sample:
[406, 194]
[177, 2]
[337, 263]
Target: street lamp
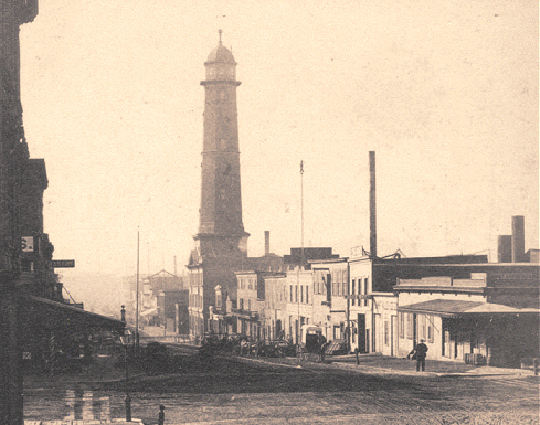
[125, 342]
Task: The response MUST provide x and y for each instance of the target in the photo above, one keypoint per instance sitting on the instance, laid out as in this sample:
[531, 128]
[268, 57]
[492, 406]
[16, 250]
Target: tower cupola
[220, 64]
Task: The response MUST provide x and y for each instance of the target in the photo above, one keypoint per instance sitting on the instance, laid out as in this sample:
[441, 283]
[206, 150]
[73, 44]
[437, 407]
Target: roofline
[460, 264]
[76, 310]
[328, 260]
[467, 289]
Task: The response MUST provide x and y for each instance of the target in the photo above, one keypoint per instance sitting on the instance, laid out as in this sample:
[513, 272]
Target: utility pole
[137, 302]
[302, 211]
[298, 336]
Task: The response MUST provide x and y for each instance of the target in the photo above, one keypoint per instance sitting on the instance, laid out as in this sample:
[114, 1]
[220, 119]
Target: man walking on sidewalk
[419, 353]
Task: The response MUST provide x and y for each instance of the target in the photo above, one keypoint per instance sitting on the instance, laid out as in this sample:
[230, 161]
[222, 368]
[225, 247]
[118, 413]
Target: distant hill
[100, 293]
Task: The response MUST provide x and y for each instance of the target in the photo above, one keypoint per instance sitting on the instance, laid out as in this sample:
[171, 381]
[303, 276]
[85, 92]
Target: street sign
[63, 263]
[358, 297]
[27, 244]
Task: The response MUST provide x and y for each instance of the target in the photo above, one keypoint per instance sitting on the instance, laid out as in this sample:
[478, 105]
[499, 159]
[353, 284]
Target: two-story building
[275, 289]
[299, 301]
[249, 312]
[371, 277]
[330, 288]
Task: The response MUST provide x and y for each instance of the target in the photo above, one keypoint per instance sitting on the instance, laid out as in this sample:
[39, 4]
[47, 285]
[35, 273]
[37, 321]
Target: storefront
[56, 335]
[470, 331]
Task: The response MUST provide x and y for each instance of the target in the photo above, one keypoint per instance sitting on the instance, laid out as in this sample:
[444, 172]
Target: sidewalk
[376, 364]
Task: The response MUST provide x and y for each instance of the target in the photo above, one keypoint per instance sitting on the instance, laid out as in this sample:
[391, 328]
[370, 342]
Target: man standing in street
[419, 353]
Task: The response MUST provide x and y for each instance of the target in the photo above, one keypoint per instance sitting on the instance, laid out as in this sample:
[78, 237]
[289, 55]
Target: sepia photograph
[269, 212]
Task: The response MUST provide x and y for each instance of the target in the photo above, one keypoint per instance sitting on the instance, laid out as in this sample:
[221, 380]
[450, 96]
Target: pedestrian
[419, 354]
[321, 342]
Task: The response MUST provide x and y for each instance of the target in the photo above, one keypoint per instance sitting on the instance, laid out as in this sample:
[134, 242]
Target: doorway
[361, 333]
[393, 336]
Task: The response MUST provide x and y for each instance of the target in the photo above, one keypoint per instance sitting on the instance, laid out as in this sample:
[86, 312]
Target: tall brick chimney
[266, 242]
[518, 238]
[372, 206]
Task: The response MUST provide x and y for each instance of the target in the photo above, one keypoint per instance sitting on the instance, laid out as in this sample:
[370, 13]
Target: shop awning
[459, 308]
[57, 315]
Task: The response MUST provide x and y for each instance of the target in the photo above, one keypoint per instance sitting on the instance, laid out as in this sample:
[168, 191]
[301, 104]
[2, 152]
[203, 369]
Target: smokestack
[372, 206]
[175, 266]
[504, 249]
[266, 242]
[518, 238]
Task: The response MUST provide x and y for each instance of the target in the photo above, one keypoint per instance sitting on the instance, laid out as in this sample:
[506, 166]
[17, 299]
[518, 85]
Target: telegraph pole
[301, 254]
[137, 307]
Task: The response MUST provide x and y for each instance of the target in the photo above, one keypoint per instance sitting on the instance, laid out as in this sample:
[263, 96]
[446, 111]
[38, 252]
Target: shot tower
[221, 243]
[221, 231]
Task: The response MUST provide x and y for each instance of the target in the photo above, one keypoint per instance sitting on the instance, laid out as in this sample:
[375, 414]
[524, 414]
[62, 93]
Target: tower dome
[220, 65]
[220, 54]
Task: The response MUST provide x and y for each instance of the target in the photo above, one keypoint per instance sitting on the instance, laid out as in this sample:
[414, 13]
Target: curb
[388, 372]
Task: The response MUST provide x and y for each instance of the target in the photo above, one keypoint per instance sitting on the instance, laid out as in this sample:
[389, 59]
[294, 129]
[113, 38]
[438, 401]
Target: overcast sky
[445, 93]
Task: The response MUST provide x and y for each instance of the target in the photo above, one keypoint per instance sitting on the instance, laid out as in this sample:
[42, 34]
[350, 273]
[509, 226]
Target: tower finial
[220, 32]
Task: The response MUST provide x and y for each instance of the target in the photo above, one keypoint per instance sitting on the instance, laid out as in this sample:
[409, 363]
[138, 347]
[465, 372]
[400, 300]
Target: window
[401, 325]
[307, 296]
[296, 293]
[353, 291]
[409, 326]
[302, 293]
[291, 298]
[386, 333]
[365, 291]
[249, 304]
[429, 326]
[241, 303]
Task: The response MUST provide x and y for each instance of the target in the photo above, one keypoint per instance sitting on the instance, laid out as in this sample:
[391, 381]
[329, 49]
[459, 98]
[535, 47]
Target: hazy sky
[445, 93]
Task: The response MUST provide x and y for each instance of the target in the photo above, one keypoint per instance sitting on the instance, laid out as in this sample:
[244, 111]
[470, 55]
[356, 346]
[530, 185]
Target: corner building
[221, 243]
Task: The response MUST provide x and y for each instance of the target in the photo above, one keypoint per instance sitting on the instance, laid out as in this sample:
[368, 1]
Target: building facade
[371, 276]
[330, 279]
[275, 312]
[469, 319]
[34, 318]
